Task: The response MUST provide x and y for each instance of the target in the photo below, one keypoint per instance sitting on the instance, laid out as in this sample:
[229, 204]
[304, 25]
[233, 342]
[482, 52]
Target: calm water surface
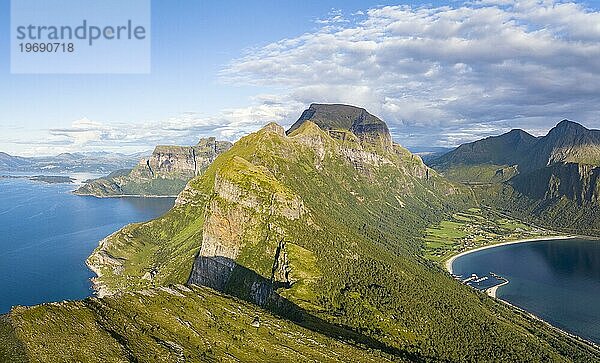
[558, 280]
[46, 234]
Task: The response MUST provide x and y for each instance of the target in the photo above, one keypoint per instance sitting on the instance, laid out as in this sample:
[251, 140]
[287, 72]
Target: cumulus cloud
[444, 75]
[183, 129]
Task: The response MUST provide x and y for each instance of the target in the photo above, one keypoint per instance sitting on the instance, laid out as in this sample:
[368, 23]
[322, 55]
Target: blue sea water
[557, 280]
[46, 234]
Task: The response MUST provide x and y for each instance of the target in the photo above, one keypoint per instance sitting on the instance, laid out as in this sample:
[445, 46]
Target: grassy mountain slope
[171, 324]
[506, 149]
[330, 227]
[321, 226]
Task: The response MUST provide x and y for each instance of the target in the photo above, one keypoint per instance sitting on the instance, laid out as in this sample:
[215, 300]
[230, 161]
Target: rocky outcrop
[248, 201]
[165, 172]
[334, 118]
[577, 182]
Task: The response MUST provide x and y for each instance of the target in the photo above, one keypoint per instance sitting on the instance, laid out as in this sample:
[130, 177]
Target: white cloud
[184, 129]
[437, 74]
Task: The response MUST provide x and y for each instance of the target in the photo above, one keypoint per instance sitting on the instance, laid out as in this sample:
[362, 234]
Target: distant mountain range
[566, 142]
[93, 162]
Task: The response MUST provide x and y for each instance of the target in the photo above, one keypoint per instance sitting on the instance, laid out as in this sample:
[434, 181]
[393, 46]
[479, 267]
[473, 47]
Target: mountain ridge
[320, 226]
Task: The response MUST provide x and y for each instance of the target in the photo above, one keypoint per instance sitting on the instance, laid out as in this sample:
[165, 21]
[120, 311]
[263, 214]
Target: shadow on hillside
[225, 275]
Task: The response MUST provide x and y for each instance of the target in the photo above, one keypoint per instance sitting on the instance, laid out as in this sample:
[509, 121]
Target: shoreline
[492, 291]
[448, 263]
[124, 196]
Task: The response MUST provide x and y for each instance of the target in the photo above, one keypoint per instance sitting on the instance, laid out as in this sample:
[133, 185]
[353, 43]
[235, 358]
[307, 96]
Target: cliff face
[577, 182]
[567, 142]
[165, 172]
[235, 216]
[180, 162]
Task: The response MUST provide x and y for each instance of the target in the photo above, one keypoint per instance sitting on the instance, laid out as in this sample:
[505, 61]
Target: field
[471, 229]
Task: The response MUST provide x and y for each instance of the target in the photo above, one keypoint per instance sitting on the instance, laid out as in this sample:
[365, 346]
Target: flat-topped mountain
[338, 117]
[165, 172]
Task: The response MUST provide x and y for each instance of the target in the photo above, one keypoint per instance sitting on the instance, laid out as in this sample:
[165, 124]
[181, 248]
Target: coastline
[448, 263]
[124, 196]
[492, 291]
[96, 261]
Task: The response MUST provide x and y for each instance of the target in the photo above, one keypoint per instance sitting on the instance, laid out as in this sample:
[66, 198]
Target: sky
[440, 73]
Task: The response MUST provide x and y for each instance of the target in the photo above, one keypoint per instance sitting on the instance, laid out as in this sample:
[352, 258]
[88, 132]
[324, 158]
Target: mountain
[11, 162]
[320, 226]
[507, 149]
[336, 118]
[66, 163]
[499, 158]
[567, 142]
[165, 172]
[550, 180]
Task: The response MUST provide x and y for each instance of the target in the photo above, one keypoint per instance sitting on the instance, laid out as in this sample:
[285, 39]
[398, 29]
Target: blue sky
[228, 67]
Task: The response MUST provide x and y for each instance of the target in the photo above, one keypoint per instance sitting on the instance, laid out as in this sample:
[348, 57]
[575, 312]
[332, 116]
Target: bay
[557, 280]
[46, 234]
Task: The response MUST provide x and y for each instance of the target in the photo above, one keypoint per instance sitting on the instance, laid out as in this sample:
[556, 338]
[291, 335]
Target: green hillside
[322, 226]
[171, 324]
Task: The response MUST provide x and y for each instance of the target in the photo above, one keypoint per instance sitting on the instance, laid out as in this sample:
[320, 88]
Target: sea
[557, 280]
[46, 234]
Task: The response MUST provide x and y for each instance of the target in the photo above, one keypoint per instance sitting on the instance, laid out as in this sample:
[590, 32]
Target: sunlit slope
[331, 227]
[172, 324]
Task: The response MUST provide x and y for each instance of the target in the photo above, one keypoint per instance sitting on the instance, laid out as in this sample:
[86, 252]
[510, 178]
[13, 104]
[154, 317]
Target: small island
[48, 179]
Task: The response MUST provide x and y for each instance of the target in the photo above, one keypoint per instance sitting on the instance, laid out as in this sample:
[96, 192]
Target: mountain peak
[569, 126]
[332, 117]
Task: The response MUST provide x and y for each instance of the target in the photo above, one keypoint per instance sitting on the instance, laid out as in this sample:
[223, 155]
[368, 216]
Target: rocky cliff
[576, 182]
[337, 118]
[165, 172]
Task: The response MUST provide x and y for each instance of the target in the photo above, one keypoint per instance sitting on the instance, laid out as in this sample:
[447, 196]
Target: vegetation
[173, 324]
[559, 213]
[474, 228]
[11, 348]
[480, 174]
[327, 222]
[363, 222]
